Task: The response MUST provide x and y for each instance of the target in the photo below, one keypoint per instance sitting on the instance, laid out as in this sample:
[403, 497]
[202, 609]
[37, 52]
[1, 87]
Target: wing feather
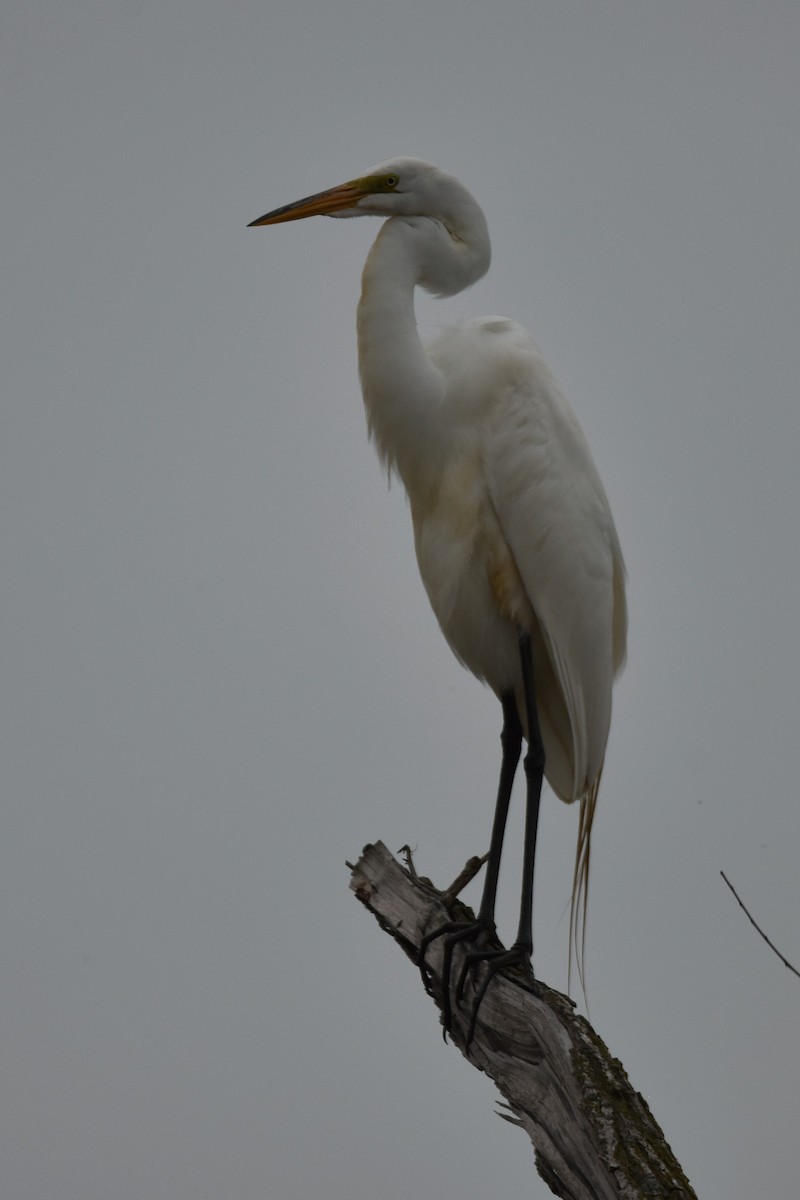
[554, 514]
[554, 518]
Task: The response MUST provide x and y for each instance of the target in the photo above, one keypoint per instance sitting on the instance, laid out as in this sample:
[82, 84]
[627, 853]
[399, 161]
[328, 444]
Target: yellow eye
[379, 183]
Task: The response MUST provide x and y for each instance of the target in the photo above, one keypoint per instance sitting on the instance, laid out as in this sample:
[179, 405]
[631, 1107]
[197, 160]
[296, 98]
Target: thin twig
[756, 926]
[463, 878]
[408, 858]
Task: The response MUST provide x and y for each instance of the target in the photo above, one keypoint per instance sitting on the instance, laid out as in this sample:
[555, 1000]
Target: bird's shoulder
[534, 457]
[483, 345]
[497, 381]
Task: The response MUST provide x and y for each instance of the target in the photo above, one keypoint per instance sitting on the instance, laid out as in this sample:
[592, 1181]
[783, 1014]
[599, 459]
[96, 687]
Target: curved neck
[403, 391]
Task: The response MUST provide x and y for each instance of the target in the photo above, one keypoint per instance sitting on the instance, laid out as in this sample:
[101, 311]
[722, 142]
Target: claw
[455, 932]
[448, 927]
[496, 961]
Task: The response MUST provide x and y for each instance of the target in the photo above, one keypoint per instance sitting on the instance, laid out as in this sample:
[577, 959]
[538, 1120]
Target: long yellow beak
[346, 195]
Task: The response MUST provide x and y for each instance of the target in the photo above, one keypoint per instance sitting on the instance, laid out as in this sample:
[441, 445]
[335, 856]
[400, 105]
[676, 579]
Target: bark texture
[593, 1135]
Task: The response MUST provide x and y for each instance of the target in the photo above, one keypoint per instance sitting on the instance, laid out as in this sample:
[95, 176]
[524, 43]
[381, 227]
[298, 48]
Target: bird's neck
[403, 390]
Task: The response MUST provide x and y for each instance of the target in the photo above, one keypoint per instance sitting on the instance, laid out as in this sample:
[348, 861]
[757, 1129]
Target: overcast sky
[220, 673]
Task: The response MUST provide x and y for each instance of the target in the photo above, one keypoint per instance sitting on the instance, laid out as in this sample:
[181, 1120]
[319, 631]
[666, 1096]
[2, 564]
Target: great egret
[514, 536]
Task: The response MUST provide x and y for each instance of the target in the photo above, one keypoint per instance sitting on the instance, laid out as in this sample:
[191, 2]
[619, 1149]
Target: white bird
[514, 535]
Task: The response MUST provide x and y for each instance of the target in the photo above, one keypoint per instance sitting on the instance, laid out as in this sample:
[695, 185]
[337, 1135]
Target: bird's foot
[518, 955]
[484, 934]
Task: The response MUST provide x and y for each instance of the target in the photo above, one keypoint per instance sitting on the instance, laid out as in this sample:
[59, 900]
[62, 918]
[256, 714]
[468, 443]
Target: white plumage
[513, 531]
[519, 534]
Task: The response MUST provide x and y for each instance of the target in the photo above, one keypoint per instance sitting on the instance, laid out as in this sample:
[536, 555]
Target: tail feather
[579, 903]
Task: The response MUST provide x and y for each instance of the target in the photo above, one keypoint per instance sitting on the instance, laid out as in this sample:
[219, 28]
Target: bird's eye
[390, 182]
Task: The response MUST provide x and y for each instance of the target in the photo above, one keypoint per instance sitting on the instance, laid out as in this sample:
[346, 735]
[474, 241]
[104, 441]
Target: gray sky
[221, 677]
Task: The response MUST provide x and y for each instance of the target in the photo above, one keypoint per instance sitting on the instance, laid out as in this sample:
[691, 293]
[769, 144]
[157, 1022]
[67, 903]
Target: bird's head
[398, 187]
[436, 205]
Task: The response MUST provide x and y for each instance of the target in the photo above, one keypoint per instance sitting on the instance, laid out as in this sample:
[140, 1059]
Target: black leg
[534, 772]
[482, 930]
[458, 931]
[520, 953]
[511, 740]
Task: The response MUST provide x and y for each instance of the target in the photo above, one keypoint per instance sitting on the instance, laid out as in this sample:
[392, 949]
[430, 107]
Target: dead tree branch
[593, 1135]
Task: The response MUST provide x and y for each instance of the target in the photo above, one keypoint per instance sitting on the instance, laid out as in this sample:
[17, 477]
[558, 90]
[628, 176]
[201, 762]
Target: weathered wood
[593, 1135]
